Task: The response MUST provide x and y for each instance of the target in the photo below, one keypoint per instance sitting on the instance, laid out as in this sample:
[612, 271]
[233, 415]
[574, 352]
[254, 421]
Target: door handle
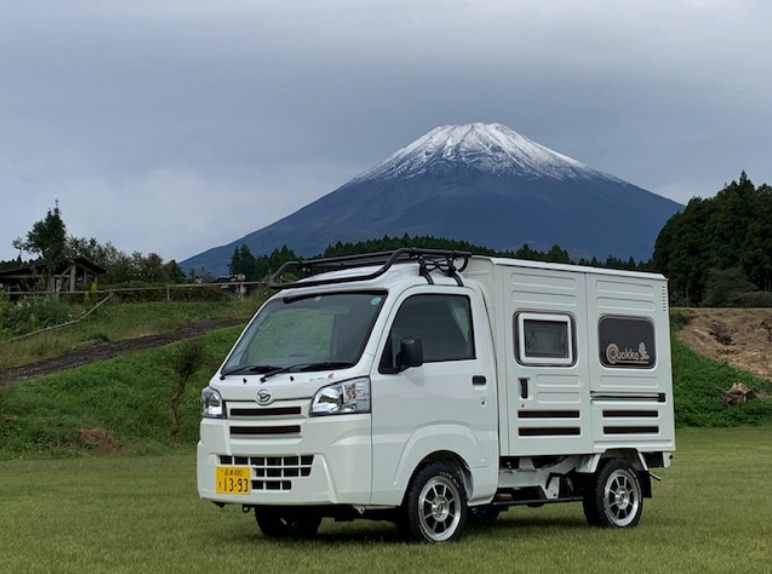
[523, 387]
[479, 380]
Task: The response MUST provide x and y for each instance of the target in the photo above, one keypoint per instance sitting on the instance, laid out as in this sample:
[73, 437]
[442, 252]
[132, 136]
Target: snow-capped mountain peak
[486, 147]
[481, 183]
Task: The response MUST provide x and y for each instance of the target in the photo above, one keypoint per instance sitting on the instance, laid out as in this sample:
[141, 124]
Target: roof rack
[428, 260]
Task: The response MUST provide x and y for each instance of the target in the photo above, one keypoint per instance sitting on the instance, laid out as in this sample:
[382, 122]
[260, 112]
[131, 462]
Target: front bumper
[327, 461]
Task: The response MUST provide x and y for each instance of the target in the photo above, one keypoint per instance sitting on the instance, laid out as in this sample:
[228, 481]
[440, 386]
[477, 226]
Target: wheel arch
[590, 463]
[636, 459]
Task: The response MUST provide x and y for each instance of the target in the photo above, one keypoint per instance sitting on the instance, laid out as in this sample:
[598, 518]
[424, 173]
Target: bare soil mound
[99, 351]
[741, 337]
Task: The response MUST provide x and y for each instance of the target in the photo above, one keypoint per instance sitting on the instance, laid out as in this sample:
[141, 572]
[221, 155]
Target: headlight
[349, 397]
[212, 405]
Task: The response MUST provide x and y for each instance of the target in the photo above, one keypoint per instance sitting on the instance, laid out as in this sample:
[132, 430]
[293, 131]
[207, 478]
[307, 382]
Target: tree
[557, 255]
[187, 358]
[175, 273]
[243, 263]
[48, 240]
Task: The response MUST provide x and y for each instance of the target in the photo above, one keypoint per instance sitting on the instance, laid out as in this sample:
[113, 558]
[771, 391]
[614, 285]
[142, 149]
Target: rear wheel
[287, 523]
[613, 497]
[435, 505]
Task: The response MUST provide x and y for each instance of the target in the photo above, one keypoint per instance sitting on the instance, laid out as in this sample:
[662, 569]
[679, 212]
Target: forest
[718, 251]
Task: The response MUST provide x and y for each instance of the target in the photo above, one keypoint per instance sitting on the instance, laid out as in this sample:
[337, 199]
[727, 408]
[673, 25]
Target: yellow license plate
[233, 480]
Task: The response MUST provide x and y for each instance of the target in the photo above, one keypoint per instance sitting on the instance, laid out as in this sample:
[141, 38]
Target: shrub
[725, 284]
[147, 293]
[755, 299]
[37, 313]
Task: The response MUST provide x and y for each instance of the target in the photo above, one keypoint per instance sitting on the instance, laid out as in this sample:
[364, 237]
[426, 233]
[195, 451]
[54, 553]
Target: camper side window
[442, 322]
[627, 342]
[544, 339]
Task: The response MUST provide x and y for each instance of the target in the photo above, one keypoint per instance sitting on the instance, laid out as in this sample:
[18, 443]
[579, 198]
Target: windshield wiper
[271, 370]
[307, 367]
[247, 368]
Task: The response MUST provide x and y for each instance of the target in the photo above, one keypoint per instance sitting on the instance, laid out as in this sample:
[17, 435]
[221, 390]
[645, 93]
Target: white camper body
[428, 387]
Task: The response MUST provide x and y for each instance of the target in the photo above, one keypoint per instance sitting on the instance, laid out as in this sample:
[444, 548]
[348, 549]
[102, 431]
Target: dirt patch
[101, 351]
[97, 440]
[741, 337]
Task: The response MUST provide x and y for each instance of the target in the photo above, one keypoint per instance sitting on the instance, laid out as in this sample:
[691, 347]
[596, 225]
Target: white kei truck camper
[428, 387]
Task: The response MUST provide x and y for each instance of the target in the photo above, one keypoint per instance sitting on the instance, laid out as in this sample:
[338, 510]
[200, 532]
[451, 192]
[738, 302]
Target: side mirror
[411, 353]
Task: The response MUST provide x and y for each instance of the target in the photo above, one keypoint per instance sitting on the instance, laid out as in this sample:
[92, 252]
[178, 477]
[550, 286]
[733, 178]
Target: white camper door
[547, 363]
[448, 404]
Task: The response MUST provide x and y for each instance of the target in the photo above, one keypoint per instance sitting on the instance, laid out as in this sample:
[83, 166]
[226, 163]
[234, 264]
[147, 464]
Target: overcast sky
[177, 125]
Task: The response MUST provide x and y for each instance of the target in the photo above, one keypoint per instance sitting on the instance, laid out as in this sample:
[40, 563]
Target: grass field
[713, 513]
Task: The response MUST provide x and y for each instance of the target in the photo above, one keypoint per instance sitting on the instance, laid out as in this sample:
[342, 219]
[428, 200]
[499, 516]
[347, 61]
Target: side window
[544, 339]
[442, 322]
[627, 342]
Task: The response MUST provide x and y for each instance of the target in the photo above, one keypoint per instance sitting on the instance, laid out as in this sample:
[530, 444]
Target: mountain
[482, 183]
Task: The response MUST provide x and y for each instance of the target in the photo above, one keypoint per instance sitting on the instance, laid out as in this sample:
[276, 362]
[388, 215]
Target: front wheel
[287, 523]
[613, 497]
[435, 505]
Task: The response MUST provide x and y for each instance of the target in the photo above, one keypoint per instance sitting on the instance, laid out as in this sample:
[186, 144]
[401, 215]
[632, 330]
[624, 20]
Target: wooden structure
[31, 279]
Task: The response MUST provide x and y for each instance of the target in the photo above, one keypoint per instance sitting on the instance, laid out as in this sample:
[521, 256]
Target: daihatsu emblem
[264, 397]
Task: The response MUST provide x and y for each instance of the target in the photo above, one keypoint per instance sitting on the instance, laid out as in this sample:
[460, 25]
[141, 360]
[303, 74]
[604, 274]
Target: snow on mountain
[487, 147]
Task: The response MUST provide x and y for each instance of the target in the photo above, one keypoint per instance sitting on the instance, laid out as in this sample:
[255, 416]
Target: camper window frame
[521, 354]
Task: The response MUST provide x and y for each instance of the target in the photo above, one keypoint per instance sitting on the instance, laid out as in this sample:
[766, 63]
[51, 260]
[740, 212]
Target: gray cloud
[176, 126]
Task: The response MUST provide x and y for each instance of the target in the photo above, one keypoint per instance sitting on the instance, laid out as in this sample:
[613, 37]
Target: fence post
[168, 293]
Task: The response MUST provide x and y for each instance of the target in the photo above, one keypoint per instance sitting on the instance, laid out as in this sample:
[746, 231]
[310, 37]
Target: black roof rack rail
[428, 259]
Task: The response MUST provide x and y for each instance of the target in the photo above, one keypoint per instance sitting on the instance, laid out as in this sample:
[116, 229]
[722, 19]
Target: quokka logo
[617, 356]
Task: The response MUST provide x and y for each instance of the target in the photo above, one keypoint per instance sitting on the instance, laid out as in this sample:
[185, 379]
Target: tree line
[48, 243]
[716, 251]
[257, 268]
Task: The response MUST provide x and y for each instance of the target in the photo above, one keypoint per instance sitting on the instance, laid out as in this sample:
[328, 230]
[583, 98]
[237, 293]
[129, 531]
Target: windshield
[320, 331]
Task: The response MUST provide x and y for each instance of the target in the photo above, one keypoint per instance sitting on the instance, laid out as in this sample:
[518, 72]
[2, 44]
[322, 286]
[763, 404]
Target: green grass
[142, 514]
[117, 321]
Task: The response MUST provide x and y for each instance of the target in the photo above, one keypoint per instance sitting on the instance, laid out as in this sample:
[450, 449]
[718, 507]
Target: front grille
[248, 421]
[246, 412]
[265, 430]
[273, 472]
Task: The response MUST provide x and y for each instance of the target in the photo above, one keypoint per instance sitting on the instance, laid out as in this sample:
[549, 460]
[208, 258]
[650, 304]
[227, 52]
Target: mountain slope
[482, 183]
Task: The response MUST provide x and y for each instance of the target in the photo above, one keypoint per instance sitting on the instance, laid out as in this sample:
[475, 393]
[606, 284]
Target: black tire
[435, 506]
[613, 497]
[483, 513]
[287, 523]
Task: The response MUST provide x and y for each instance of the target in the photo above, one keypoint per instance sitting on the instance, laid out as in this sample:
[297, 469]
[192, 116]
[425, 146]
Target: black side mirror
[411, 353]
